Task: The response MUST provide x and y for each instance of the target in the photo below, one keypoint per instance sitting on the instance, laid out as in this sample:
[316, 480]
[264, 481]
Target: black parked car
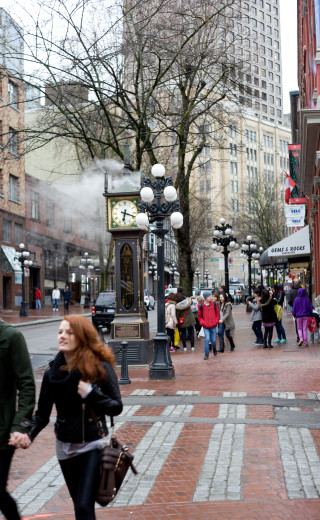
[104, 309]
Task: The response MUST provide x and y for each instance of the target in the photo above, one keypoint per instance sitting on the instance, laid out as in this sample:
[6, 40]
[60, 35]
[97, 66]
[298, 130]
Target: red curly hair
[90, 351]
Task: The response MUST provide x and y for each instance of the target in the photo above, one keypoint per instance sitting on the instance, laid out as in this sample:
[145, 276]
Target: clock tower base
[134, 330]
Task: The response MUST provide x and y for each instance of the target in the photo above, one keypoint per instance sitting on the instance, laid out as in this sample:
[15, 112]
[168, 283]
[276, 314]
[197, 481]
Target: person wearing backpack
[208, 316]
[278, 294]
[269, 317]
[186, 320]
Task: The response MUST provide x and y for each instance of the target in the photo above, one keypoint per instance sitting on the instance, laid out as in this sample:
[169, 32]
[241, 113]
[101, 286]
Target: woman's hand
[83, 388]
[220, 321]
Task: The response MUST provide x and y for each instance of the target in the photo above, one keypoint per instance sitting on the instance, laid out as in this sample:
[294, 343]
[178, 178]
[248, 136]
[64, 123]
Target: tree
[155, 74]
[263, 218]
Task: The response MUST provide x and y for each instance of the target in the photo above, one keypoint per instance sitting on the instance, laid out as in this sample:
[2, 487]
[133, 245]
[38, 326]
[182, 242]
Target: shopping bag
[201, 333]
[176, 337]
[312, 324]
[278, 310]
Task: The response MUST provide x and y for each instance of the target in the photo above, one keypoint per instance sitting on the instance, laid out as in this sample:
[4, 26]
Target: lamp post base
[24, 309]
[161, 366]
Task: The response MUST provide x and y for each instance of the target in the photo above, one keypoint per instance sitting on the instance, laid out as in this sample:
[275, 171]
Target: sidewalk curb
[49, 320]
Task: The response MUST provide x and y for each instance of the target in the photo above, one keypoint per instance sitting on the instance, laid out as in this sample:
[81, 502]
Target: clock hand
[125, 213]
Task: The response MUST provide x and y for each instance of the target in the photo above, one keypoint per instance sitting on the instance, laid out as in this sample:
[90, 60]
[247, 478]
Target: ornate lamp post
[22, 260]
[153, 271]
[86, 264]
[249, 248]
[206, 277]
[197, 274]
[159, 211]
[222, 240]
[173, 272]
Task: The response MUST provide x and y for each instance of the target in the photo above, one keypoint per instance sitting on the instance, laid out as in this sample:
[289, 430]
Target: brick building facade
[309, 92]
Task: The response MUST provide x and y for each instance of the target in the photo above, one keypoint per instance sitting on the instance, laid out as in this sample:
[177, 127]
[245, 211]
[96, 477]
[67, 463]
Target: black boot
[221, 342]
[232, 345]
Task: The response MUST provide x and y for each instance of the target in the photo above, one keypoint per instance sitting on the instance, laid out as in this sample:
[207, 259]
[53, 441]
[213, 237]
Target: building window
[67, 222]
[35, 205]
[50, 213]
[6, 231]
[13, 188]
[13, 141]
[17, 234]
[12, 94]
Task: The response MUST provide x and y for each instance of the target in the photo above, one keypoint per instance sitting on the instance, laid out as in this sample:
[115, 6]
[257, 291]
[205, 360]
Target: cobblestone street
[235, 437]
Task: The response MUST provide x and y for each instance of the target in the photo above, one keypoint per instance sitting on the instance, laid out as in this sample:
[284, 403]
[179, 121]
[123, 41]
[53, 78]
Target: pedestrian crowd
[209, 316]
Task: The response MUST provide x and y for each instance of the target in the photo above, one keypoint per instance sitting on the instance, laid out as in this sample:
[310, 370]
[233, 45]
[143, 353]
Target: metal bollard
[124, 379]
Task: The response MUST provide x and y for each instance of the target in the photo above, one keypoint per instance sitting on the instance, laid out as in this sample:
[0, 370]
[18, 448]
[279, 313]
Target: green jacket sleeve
[25, 385]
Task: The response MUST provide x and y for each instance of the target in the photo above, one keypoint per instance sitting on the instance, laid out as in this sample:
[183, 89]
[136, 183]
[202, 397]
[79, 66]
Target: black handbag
[114, 464]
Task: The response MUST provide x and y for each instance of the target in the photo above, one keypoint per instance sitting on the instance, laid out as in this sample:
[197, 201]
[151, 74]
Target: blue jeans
[55, 303]
[38, 303]
[210, 336]
[280, 330]
[256, 327]
[222, 330]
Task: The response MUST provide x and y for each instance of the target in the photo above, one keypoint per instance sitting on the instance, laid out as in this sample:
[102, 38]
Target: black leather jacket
[74, 421]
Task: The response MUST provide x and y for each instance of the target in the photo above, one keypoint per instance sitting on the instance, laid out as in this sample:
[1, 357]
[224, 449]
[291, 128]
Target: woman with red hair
[80, 380]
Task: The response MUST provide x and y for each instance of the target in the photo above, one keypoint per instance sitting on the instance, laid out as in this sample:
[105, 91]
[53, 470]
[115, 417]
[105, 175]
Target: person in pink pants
[301, 310]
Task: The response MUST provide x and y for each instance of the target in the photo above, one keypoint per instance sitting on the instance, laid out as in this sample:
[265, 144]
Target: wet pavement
[234, 437]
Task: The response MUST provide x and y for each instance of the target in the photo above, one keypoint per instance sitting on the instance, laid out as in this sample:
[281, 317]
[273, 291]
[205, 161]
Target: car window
[106, 299]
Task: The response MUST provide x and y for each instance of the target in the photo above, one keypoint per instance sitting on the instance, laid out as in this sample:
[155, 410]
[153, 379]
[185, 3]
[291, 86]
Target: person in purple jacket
[301, 310]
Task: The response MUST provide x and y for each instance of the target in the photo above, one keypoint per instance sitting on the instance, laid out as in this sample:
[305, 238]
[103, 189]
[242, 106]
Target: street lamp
[222, 240]
[158, 211]
[197, 274]
[173, 272]
[248, 249]
[206, 277]
[153, 272]
[86, 263]
[22, 260]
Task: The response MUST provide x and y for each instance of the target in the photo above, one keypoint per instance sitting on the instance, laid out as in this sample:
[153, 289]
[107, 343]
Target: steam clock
[122, 193]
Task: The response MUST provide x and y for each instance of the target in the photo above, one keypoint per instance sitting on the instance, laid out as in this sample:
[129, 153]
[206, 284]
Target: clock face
[124, 213]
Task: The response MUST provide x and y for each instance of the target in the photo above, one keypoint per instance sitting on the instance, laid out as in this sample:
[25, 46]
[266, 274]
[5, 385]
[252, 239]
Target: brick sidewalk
[216, 443]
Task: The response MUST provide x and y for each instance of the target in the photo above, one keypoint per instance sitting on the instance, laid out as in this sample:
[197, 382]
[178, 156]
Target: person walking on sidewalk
[81, 382]
[171, 318]
[55, 298]
[269, 317]
[17, 399]
[301, 310]
[226, 322]
[37, 297]
[296, 285]
[256, 316]
[67, 295]
[278, 294]
[208, 316]
[186, 320]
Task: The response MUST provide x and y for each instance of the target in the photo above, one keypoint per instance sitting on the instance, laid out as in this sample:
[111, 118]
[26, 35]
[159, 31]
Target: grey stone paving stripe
[150, 455]
[165, 400]
[300, 462]
[220, 476]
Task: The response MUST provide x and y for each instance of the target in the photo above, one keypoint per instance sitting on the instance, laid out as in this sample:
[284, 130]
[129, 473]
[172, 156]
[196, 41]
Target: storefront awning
[297, 244]
[8, 256]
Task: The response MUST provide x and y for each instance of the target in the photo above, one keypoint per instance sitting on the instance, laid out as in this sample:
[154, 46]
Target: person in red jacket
[37, 297]
[208, 316]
